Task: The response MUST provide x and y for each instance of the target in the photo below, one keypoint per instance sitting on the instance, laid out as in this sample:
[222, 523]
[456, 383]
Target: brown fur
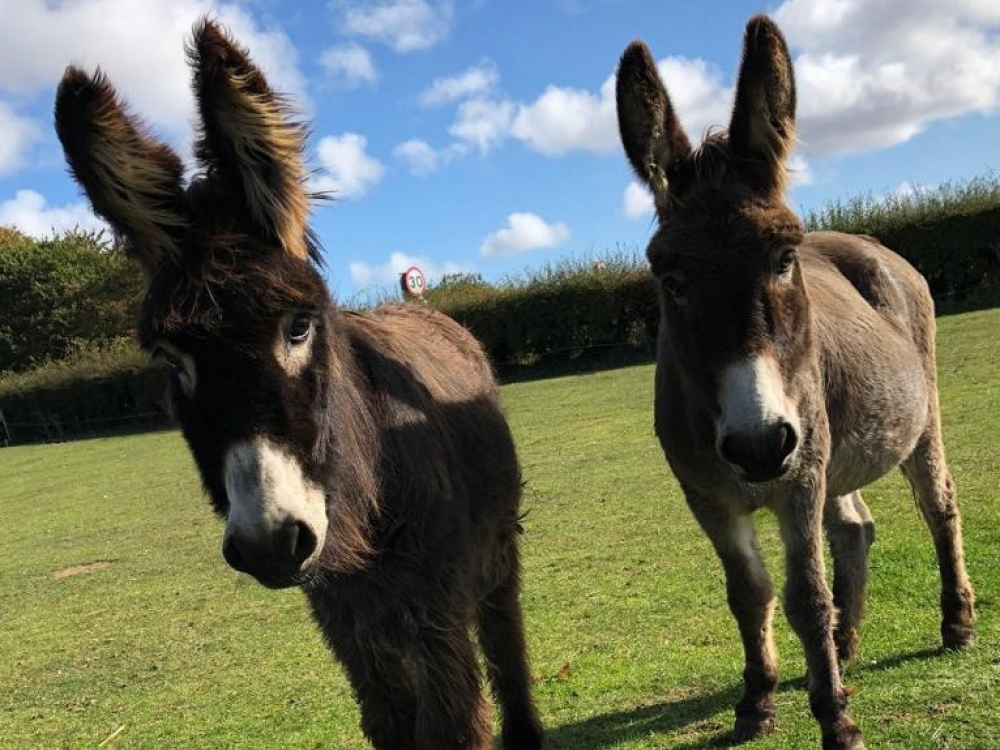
[251, 129]
[137, 179]
[849, 326]
[394, 413]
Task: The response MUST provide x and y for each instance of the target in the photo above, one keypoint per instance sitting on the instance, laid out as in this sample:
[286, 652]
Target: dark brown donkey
[363, 458]
[793, 369]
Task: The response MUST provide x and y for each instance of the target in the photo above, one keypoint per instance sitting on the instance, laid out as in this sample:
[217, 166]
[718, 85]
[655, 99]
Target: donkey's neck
[349, 440]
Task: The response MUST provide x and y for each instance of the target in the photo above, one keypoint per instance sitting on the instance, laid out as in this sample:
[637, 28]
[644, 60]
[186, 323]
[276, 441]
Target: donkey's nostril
[727, 449]
[301, 542]
[233, 555]
[789, 440]
[761, 455]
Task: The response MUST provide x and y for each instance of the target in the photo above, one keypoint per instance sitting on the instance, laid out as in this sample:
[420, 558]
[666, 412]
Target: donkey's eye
[785, 261]
[675, 285]
[182, 368]
[162, 355]
[300, 328]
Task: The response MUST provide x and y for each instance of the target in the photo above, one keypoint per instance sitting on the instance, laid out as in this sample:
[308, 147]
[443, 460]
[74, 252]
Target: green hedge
[957, 254]
[951, 233]
[562, 314]
[125, 398]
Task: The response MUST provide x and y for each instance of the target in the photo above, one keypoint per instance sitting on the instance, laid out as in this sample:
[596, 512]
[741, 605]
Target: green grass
[632, 643]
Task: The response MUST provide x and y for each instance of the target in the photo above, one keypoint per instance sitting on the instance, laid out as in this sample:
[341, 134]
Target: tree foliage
[60, 295]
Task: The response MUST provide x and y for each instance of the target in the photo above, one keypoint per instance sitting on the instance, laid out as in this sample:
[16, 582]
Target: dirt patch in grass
[75, 570]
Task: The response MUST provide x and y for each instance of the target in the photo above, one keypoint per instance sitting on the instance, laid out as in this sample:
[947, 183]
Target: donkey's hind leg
[501, 636]
[751, 600]
[850, 530]
[927, 472]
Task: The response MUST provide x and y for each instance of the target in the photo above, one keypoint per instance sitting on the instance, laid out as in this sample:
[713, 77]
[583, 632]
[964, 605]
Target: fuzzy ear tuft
[762, 129]
[132, 180]
[651, 133]
[250, 139]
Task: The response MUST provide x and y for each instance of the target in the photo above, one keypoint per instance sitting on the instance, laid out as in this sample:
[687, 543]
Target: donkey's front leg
[751, 600]
[452, 713]
[809, 606]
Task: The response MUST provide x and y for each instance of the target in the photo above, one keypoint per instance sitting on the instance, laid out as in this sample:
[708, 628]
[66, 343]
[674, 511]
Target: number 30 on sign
[413, 282]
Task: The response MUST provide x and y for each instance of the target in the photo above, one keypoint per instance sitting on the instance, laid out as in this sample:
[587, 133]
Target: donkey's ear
[762, 129]
[654, 140]
[250, 138]
[132, 180]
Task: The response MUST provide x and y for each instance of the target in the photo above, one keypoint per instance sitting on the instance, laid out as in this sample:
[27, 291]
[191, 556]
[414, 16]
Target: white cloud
[404, 25]
[870, 74]
[139, 45]
[348, 171]
[799, 171]
[874, 73]
[29, 212]
[477, 80]
[350, 65]
[367, 274]
[566, 119]
[700, 99]
[421, 158]
[637, 202]
[524, 231]
[17, 133]
[483, 123]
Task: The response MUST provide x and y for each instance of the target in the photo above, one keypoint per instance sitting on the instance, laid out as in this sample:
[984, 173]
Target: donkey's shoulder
[883, 279]
[411, 345]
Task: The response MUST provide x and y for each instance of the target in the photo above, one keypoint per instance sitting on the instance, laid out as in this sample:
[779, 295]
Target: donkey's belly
[877, 431]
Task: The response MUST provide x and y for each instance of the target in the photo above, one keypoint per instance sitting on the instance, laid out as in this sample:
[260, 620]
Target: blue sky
[480, 136]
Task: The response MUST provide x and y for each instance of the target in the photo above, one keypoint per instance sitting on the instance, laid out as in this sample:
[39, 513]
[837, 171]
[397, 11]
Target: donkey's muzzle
[276, 560]
[761, 455]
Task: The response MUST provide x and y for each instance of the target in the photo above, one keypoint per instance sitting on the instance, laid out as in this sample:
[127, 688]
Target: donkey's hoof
[526, 735]
[847, 736]
[958, 637]
[751, 727]
[847, 644]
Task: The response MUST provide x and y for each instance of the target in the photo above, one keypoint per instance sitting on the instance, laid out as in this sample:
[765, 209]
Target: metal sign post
[6, 430]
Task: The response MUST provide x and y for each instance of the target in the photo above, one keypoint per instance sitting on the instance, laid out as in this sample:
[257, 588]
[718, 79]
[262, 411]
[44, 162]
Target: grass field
[632, 643]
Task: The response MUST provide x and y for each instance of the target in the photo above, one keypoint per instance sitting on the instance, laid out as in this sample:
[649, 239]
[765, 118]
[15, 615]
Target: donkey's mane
[714, 165]
[188, 295]
[712, 160]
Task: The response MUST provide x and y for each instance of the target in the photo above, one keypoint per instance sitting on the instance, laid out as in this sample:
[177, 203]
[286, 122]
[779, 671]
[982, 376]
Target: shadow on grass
[561, 364]
[609, 730]
[895, 661]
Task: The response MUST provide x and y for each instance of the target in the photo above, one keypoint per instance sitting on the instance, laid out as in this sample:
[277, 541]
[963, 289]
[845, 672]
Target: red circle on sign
[414, 281]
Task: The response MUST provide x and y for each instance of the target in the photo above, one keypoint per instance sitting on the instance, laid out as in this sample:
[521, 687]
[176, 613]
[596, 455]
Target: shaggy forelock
[230, 278]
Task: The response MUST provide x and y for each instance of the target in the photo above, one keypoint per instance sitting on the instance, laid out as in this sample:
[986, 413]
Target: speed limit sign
[413, 282]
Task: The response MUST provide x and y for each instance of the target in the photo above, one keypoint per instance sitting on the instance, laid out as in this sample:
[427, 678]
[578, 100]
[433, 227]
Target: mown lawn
[632, 643]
